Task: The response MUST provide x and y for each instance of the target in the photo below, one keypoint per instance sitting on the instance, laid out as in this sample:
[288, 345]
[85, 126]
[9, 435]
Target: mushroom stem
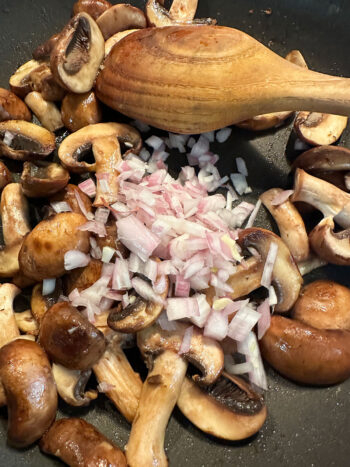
[14, 214]
[107, 156]
[311, 263]
[8, 325]
[330, 246]
[159, 394]
[46, 112]
[9, 265]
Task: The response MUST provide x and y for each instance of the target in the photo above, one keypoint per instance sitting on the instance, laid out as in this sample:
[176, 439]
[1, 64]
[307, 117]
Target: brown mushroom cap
[43, 250]
[77, 54]
[30, 390]
[42, 179]
[41, 80]
[77, 443]
[12, 108]
[69, 338]
[68, 194]
[120, 18]
[324, 158]
[228, 409]
[319, 129]
[80, 110]
[323, 304]
[20, 82]
[94, 8]
[40, 303]
[5, 176]
[82, 278]
[43, 51]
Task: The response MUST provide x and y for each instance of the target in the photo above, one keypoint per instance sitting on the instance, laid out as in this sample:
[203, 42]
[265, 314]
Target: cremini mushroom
[9, 265]
[120, 18]
[331, 246]
[8, 324]
[69, 338]
[82, 278]
[323, 196]
[42, 179]
[14, 214]
[12, 108]
[70, 194]
[41, 80]
[311, 263]
[71, 385]
[43, 51]
[228, 409]
[5, 176]
[21, 140]
[285, 275]
[77, 54]
[318, 129]
[30, 390]
[42, 253]
[94, 8]
[27, 323]
[77, 443]
[46, 112]
[20, 82]
[158, 15]
[40, 303]
[183, 10]
[111, 239]
[80, 110]
[290, 224]
[110, 43]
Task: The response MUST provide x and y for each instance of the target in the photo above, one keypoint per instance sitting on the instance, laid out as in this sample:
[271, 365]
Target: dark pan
[305, 426]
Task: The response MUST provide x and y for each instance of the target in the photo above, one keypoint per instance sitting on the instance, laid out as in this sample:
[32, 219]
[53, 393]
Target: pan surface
[305, 426]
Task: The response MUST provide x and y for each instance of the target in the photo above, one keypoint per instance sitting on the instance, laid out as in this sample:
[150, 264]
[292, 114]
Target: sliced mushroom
[46, 112]
[77, 54]
[311, 263]
[94, 8]
[9, 265]
[70, 195]
[69, 338]
[183, 10]
[27, 323]
[42, 179]
[318, 129]
[71, 385]
[110, 43]
[124, 384]
[74, 148]
[290, 224]
[159, 394]
[30, 390]
[20, 82]
[21, 140]
[77, 443]
[330, 246]
[43, 250]
[157, 15]
[80, 110]
[228, 409]
[285, 276]
[12, 108]
[323, 196]
[43, 51]
[42, 81]
[8, 325]
[82, 278]
[14, 214]
[5, 176]
[120, 18]
[40, 303]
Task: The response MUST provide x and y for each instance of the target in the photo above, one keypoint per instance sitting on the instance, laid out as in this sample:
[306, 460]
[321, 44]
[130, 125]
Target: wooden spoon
[192, 79]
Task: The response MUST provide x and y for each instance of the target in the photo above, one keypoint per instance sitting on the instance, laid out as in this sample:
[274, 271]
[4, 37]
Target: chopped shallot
[88, 187]
[281, 197]
[253, 215]
[250, 348]
[107, 254]
[242, 323]
[186, 341]
[95, 227]
[179, 308]
[269, 265]
[75, 259]
[265, 318]
[223, 134]
[48, 286]
[60, 206]
[121, 277]
[216, 326]
[82, 207]
[145, 290]
[105, 387]
[241, 166]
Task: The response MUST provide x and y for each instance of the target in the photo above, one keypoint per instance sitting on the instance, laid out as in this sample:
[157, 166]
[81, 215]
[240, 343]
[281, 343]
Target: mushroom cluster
[125, 256]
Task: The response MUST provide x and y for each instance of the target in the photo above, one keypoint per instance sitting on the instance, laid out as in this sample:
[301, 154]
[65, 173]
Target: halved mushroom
[42, 179]
[31, 395]
[77, 145]
[71, 385]
[70, 195]
[80, 110]
[20, 82]
[42, 253]
[285, 275]
[94, 8]
[69, 338]
[78, 443]
[46, 112]
[318, 129]
[228, 409]
[12, 108]
[157, 15]
[290, 224]
[27, 323]
[14, 214]
[43, 51]
[42, 80]
[8, 325]
[40, 303]
[82, 278]
[77, 54]
[110, 43]
[330, 246]
[5, 176]
[322, 195]
[120, 18]
[183, 10]
[21, 140]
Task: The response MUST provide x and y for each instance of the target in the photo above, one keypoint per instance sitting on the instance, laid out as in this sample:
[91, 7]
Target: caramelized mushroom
[40, 303]
[5, 176]
[9, 265]
[77, 54]
[20, 82]
[69, 338]
[12, 108]
[80, 110]
[111, 239]
[94, 8]
[27, 323]
[183, 10]
[82, 278]
[157, 15]
[324, 159]
[43, 51]
[71, 385]
[70, 195]
[318, 129]
[110, 43]
[14, 214]
[120, 18]
[8, 325]
[46, 112]
[42, 179]
[42, 81]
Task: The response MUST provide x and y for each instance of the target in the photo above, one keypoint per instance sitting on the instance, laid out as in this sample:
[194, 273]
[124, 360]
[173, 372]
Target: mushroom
[296, 57]
[77, 443]
[70, 194]
[330, 246]
[8, 325]
[71, 385]
[290, 224]
[285, 276]
[80, 110]
[42, 253]
[12, 108]
[157, 15]
[43, 51]
[183, 10]
[94, 8]
[41, 80]
[46, 112]
[323, 196]
[82, 278]
[69, 338]
[9, 265]
[14, 214]
[73, 149]
[27, 323]
[42, 179]
[77, 54]
[318, 129]
[21, 140]
[20, 82]
[124, 384]
[110, 43]
[306, 354]
[30, 390]
[40, 303]
[323, 304]
[120, 18]
[311, 263]
[111, 239]
[5, 176]
[228, 409]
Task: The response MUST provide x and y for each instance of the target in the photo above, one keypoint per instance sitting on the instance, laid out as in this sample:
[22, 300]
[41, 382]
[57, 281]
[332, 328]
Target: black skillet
[305, 426]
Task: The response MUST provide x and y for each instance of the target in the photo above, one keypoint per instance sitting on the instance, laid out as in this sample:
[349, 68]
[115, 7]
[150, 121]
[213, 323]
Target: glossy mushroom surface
[12, 108]
[71, 385]
[120, 18]
[94, 8]
[80, 110]
[14, 214]
[8, 325]
[40, 303]
[41, 179]
[45, 111]
[319, 129]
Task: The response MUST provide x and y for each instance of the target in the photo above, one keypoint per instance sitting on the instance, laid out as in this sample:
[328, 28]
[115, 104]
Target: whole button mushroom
[12, 108]
[94, 8]
[120, 18]
[31, 395]
[42, 178]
